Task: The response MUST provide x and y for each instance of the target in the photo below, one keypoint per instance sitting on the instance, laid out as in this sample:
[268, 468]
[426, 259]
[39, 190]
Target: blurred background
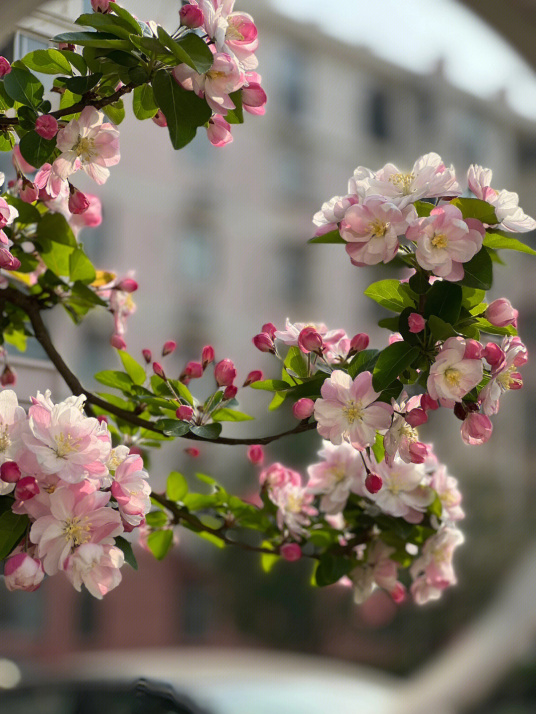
[217, 239]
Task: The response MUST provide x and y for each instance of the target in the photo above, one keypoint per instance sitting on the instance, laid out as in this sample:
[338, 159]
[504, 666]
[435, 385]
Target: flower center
[65, 444]
[402, 182]
[215, 75]
[452, 376]
[233, 33]
[504, 379]
[352, 411]
[85, 148]
[294, 503]
[440, 241]
[378, 229]
[5, 441]
[76, 530]
[338, 473]
[409, 432]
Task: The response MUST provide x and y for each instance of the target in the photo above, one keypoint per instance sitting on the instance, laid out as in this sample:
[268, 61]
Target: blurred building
[218, 240]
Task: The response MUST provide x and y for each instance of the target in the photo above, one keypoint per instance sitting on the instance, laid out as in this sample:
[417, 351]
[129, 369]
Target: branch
[32, 308]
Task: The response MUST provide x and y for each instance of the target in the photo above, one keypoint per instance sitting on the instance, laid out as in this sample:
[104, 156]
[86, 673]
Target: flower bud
[309, 340]
[191, 16]
[476, 429]
[9, 472]
[303, 408]
[192, 451]
[147, 355]
[359, 342]
[101, 5]
[207, 356]
[473, 350]
[118, 342]
[184, 412]
[26, 488]
[66, 46]
[416, 322]
[418, 452]
[193, 370]
[416, 417]
[22, 572]
[290, 552]
[398, 593]
[159, 370]
[255, 454]
[127, 285]
[428, 403]
[8, 377]
[29, 191]
[501, 313]
[264, 343]
[225, 373]
[270, 329]
[5, 67]
[230, 392]
[219, 131]
[159, 119]
[47, 127]
[78, 201]
[254, 376]
[169, 347]
[373, 482]
[493, 354]
[102, 419]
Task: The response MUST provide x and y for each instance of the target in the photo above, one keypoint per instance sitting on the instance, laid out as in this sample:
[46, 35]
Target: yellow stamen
[5, 441]
[440, 241]
[378, 229]
[76, 530]
[352, 411]
[403, 182]
[85, 148]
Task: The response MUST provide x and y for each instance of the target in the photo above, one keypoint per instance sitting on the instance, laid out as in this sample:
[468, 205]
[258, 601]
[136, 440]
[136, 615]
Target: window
[294, 273]
[379, 120]
[293, 82]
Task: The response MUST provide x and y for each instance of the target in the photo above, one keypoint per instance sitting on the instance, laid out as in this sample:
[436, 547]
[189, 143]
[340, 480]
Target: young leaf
[176, 486]
[134, 370]
[498, 240]
[112, 378]
[184, 111]
[124, 545]
[93, 39]
[230, 415]
[23, 87]
[143, 103]
[478, 272]
[270, 385]
[392, 361]
[80, 267]
[105, 22]
[173, 427]
[207, 431]
[49, 61]
[475, 208]
[444, 300]
[391, 294]
[331, 237]
[160, 542]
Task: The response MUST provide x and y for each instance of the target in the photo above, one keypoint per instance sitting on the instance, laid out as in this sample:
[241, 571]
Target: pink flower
[371, 229]
[303, 408]
[184, 412]
[219, 131]
[446, 487]
[46, 126]
[5, 67]
[225, 373]
[290, 552]
[445, 241]
[22, 572]
[476, 429]
[131, 490]
[221, 80]
[340, 473]
[90, 218]
[255, 454]
[95, 566]
[405, 490]
[452, 376]
[104, 7]
[359, 342]
[377, 571]
[348, 410]
[290, 335]
[88, 144]
[254, 376]
[253, 95]
[416, 322]
[264, 343]
[501, 313]
[7, 214]
[78, 201]
[332, 213]
[506, 203]
[433, 571]
[159, 119]
[504, 374]
[309, 340]
[276, 476]
[191, 16]
[293, 508]
[48, 179]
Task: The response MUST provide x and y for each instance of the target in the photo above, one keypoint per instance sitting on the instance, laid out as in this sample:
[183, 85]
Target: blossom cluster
[78, 494]
[341, 491]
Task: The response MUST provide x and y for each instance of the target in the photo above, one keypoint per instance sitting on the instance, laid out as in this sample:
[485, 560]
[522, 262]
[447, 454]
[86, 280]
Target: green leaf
[485, 326]
[87, 294]
[93, 39]
[423, 208]
[230, 415]
[378, 448]
[81, 85]
[176, 486]
[330, 237]
[76, 60]
[112, 378]
[390, 323]
[218, 542]
[391, 294]
[440, 329]
[36, 150]
[7, 139]
[196, 49]
[27, 212]
[160, 542]
[184, 111]
[127, 17]
[115, 112]
[478, 272]
[331, 569]
[24, 87]
[106, 22]
[236, 115]
[156, 519]
[475, 208]
[143, 103]
[270, 385]
[419, 283]
[364, 361]
[471, 297]
[56, 256]
[444, 300]
[12, 529]
[124, 545]
[207, 431]
[436, 507]
[80, 267]
[17, 338]
[499, 240]
[277, 401]
[54, 227]
[182, 390]
[295, 362]
[49, 61]
[173, 427]
[392, 361]
[134, 370]
[6, 102]
[268, 560]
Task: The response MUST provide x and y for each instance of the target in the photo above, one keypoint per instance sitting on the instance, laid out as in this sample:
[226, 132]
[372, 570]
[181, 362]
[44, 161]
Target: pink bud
[159, 119]
[169, 347]
[473, 350]
[309, 340]
[290, 552]
[359, 342]
[493, 354]
[418, 452]
[398, 593]
[5, 67]
[9, 472]
[256, 454]
[184, 412]
[373, 482]
[135, 450]
[8, 377]
[416, 417]
[395, 337]
[192, 451]
[191, 16]
[303, 408]
[29, 192]
[102, 419]
[127, 285]
[225, 373]
[254, 376]
[501, 313]
[46, 126]
[416, 322]
[428, 403]
[207, 355]
[219, 131]
[230, 392]
[101, 5]
[193, 370]
[19, 162]
[264, 343]
[22, 572]
[270, 329]
[159, 370]
[118, 342]
[26, 488]
[78, 201]
[66, 46]
[147, 355]
[476, 429]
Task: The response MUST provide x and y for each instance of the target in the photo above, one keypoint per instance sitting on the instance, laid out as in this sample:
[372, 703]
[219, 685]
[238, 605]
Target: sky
[417, 33]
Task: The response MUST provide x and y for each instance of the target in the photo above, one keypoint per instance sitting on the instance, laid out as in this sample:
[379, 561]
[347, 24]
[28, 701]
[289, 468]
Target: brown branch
[7, 122]
[32, 308]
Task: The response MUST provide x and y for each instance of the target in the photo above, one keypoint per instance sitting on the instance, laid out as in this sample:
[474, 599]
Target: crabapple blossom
[416, 322]
[97, 566]
[12, 418]
[359, 342]
[452, 376]
[255, 454]
[446, 487]
[290, 335]
[501, 313]
[504, 374]
[276, 476]
[22, 572]
[46, 126]
[303, 408]
[219, 131]
[340, 473]
[253, 95]
[5, 67]
[215, 85]
[294, 508]
[402, 438]
[348, 410]
[131, 490]
[476, 429]
[225, 373]
[377, 571]
[332, 213]
[48, 180]
[433, 571]
[506, 203]
[405, 492]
